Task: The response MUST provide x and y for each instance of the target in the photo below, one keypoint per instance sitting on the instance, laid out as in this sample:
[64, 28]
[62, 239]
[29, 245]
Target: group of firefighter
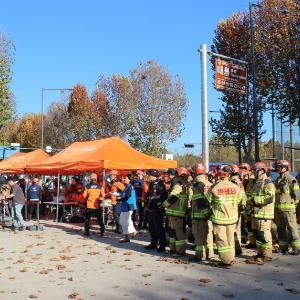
[219, 206]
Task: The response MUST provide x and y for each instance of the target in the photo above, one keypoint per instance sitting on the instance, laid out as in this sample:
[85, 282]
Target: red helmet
[260, 166]
[182, 171]
[113, 172]
[199, 169]
[245, 166]
[93, 176]
[235, 169]
[224, 171]
[283, 164]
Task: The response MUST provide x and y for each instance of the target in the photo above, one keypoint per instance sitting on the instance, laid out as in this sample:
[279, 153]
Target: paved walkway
[59, 263]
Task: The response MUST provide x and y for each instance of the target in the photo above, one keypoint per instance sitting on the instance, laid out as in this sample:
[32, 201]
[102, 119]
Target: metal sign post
[238, 72]
[204, 105]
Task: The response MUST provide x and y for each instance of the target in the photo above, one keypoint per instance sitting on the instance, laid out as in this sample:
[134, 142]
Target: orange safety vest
[94, 194]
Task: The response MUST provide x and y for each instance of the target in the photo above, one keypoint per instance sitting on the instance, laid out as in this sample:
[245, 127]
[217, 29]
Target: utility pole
[282, 137]
[255, 119]
[292, 146]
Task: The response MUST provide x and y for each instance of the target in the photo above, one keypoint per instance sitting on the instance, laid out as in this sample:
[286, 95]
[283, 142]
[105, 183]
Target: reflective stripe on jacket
[176, 204]
[287, 189]
[200, 202]
[225, 197]
[262, 193]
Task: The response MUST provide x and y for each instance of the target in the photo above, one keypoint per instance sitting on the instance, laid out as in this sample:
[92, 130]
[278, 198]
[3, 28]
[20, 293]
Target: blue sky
[61, 43]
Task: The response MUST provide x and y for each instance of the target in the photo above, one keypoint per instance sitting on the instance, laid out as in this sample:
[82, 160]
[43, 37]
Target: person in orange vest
[94, 195]
[116, 189]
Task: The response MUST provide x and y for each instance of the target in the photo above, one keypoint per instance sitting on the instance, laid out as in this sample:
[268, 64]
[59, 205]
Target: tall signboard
[230, 77]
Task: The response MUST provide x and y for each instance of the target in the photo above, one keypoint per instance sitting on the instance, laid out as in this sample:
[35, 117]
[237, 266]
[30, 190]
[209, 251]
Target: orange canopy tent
[18, 161]
[105, 154]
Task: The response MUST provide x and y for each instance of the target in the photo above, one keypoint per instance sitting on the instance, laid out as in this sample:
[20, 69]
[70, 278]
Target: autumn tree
[8, 131]
[277, 27]
[28, 131]
[159, 106]
[7, 103]
[235, 124]
[80, 115]
[100, 114]
[118, 105]
[57, 126]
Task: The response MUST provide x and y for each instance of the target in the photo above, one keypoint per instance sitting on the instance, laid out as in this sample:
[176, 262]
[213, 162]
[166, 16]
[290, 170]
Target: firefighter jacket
[156, 195]
[236, 179]
[262, 199]
[225, 198]
[94, 194]
[176, 204]
[287, 192]
[200, 202]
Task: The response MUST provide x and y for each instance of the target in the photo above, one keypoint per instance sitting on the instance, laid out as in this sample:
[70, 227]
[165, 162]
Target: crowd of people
[226, 209]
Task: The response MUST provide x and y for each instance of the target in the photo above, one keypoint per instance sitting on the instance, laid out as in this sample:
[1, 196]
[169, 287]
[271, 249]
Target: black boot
[150, 246]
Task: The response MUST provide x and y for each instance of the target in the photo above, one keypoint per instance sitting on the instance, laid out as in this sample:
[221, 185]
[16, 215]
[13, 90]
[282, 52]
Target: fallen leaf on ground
[66, 250]
[43, 272]
[20, 261]
[169, 279]
[23, 270]
[60, 267]
[93, 253]
[70, 279]
[128, 253]
[73, 295]
[228, 295]
[146, 275]
[205, 280]
[33, 296]
[127, 259]
[293, 291]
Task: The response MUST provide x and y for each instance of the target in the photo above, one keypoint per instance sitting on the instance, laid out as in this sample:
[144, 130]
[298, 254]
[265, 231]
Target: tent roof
[109, 153]
[16, 163]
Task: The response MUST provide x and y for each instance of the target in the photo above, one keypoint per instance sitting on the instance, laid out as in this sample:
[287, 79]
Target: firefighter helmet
[260, 166]
[182, 171]
[199, 169]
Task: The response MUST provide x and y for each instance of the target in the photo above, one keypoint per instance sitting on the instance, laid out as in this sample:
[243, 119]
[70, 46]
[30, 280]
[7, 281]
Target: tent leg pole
[57, 195]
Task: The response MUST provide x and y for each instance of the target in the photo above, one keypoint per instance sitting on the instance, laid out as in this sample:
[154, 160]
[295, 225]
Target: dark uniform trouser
[203, 234]
[1, 212]
[117, 213]
[156, 228]
[97, 213]
[140, 206]
[177, 235]
[262, 233]
[224, 235]
[287, 229]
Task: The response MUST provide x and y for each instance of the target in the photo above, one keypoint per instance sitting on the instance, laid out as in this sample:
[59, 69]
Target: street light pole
[42, 111]
[256, 140]
[42, 120]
